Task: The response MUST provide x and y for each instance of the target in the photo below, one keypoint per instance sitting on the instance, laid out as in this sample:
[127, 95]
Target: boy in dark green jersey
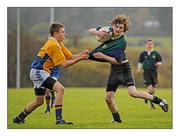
[114, 52]
[149, 60]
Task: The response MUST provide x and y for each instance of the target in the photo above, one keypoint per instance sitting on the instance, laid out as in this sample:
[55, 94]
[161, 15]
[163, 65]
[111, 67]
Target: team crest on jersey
[104, 46]
[154, 56]
[145, 57]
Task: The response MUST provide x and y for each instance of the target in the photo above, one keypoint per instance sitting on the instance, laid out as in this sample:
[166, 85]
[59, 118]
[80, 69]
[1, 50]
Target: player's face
[118, 29]
[149, 45]
[61, 34]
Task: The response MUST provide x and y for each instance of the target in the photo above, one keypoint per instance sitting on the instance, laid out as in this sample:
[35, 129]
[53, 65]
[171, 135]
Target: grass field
[87, 108]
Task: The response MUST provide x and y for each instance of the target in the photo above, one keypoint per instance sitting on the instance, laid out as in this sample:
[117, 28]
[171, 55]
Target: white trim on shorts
[55, 78]
[38, 77]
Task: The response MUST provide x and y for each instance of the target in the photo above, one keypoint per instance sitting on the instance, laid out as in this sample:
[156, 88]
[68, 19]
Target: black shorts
[48, 83]
[150, 77]
[120, 75]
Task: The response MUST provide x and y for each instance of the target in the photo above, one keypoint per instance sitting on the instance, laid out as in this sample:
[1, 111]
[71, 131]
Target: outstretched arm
[73, 61]
[85, 51]
[139, 67]
[93, 31]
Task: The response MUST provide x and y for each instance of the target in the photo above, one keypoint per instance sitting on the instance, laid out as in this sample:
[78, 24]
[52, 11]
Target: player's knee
[58, 88]
[47, 93]
[39, 102]
[109, 99]
[134, 94]
[151, 92]
[150, 88]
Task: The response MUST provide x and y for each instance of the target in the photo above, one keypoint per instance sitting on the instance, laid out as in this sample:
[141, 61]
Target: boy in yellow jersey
[52, 54]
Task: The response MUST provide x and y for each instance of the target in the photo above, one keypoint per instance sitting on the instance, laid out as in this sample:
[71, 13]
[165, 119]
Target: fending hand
[84, 56]
[85, 51]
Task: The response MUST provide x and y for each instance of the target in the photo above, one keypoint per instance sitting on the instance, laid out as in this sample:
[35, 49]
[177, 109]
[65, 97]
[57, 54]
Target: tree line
[85, 73]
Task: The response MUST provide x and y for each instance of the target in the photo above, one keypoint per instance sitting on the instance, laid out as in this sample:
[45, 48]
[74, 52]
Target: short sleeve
[56, 55]
[141, 58]
[66, 52]
[158, 57]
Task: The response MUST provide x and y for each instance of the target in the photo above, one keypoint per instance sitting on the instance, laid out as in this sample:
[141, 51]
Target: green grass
[87, 108]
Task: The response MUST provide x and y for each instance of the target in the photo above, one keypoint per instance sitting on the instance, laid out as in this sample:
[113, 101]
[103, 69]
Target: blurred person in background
[150, 61]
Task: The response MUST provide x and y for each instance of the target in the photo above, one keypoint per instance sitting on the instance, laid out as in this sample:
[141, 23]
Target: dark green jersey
[150, 60]
[114, 47]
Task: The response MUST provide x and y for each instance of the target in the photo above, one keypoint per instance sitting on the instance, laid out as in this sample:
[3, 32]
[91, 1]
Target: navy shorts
[150, 77]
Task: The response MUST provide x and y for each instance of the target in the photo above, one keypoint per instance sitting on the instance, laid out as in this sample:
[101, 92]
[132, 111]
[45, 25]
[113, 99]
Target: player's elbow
[65, 65]
[92, 30]
[114, 61]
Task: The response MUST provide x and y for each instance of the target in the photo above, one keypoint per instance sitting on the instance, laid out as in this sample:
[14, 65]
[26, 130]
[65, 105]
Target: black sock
[116, 117]
[156, 100]
[52, 100]
[23, 115]
[47, 103]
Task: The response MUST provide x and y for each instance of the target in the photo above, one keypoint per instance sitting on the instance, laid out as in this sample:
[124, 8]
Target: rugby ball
[104, 29]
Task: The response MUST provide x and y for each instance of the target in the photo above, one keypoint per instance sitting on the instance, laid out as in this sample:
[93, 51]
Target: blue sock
[58, 111]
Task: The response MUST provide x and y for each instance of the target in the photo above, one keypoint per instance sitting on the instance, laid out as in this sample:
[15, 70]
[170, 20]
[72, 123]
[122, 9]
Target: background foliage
[155, 23]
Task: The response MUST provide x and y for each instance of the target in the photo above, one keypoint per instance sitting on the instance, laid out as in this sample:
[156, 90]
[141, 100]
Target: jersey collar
[55, 40]
[114, 38]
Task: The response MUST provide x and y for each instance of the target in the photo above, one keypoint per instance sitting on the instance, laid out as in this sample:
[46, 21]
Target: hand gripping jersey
[107, 29]
[114, 47]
